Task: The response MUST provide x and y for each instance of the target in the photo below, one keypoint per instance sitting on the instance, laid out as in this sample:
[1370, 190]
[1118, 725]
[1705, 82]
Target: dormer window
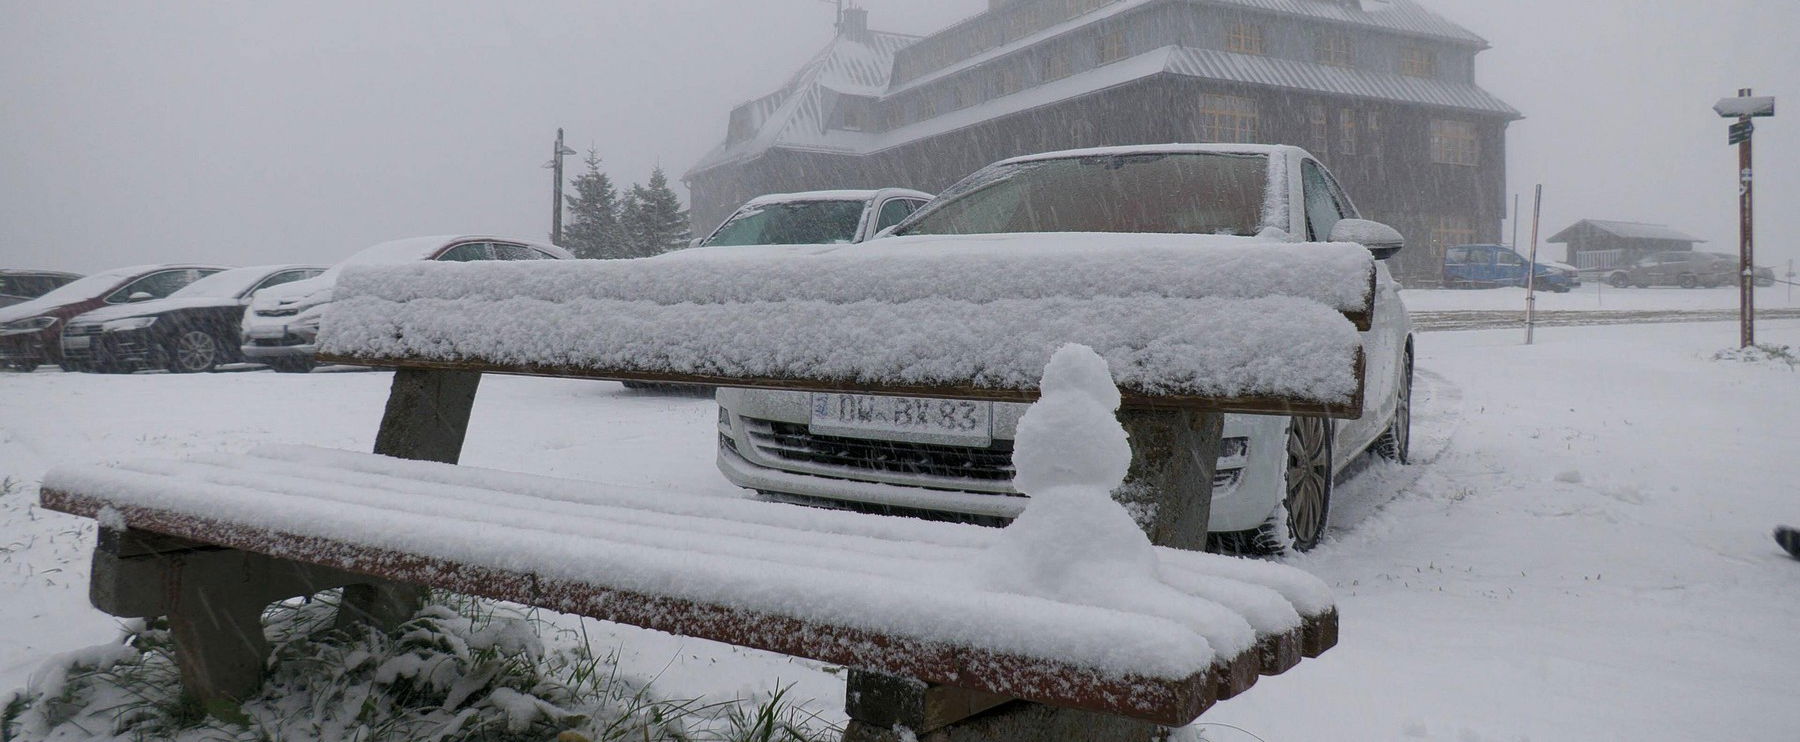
[1244, 38]
[1333, 48]
[1418, 61]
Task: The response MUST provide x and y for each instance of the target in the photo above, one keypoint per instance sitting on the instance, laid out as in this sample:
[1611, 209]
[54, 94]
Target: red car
[29, 331]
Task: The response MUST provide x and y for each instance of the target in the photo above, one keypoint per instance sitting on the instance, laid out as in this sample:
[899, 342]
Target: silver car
[1272, 489]
[815, 217]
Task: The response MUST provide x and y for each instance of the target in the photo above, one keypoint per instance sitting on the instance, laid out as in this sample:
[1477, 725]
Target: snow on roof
[915, 311]
[1628, 230]
[1402, 16]
[896, 576]
[1351, 82]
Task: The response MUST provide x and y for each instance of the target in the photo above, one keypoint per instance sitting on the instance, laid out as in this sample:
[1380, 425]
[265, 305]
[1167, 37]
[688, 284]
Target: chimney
[855, 25]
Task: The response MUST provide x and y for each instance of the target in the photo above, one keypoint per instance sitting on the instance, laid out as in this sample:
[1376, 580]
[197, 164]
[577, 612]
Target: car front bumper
[29, 346]
[89, 346]
[265, 340]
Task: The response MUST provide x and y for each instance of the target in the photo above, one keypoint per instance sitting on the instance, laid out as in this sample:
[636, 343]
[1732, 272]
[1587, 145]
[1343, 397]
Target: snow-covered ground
[1595, 296]
[1581, 551]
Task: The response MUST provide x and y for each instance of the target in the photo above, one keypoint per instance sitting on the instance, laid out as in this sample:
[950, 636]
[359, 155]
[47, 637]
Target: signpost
[1744, 108]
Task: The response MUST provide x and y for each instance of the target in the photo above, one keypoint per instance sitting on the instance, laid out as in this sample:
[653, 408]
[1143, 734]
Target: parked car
[1491, 266]
[1273, 483]
[29, 332]
[1763, 275]
[815, 217]
[20, 286]
[1685, 268]
[281, 325]
[191, 330]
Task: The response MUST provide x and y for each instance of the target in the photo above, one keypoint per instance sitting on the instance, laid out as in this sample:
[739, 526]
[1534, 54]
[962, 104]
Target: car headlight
[31, 325]
[128, 324]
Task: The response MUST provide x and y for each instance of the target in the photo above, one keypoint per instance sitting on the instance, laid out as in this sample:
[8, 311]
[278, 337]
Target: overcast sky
[289, 131]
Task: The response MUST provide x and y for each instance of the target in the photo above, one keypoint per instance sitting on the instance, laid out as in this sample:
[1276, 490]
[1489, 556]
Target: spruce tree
[594, 229]
[653, 217]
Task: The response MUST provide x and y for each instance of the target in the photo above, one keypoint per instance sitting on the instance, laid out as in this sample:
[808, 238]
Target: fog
[265, 132]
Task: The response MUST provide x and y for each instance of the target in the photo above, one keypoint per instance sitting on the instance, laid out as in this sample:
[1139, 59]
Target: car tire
[1687, 281]
[192, 352]
[291, 365]
[1618, 280]
[1395, 443]
[1299, 523]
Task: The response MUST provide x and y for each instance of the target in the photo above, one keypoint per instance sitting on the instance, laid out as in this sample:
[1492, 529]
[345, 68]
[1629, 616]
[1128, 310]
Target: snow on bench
[1071, 606]
[1183, 320]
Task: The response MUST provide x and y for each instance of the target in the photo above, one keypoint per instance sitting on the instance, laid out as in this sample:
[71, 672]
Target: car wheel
[191, 352]
[1618, 280]
[291, 365]
[1395, 443]
[1687, 281]
[1300, 522]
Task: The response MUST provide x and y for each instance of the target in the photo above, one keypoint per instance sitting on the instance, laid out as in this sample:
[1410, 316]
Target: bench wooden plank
[1132, 398]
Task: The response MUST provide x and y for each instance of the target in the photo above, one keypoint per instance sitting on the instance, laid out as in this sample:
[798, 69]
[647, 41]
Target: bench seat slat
[215, 502]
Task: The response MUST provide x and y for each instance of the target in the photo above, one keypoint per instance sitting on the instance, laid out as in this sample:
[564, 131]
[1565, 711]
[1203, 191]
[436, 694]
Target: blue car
[1489, 266]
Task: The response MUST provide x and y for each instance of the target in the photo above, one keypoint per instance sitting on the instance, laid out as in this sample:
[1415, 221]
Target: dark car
[1685, 268]
[30, 332]
[20, 286]
[1763, 275]
[192, 330]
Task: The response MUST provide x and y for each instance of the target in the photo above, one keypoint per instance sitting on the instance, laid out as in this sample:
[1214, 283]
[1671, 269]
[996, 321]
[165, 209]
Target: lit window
[1346, 132]
[1227, 118]
[1373, 139]
[1333, 48]
[1111, 46]
[1244, 38]
[1418, 61]
[1454, 143]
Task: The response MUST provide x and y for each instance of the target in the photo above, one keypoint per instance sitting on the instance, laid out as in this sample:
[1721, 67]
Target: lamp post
[1744, 108]
[556, 206]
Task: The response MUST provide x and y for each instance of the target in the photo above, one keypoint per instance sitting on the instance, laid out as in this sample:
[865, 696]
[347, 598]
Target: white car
[815, 217]
[281, 325]
[1272, 489]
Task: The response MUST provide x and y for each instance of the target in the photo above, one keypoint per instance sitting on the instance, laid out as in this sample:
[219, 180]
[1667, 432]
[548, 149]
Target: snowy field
[1594, 296]
[1581, 551]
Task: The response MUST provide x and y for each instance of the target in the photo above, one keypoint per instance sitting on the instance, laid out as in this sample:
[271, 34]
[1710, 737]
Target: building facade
[1596, 244]
[1382, 91]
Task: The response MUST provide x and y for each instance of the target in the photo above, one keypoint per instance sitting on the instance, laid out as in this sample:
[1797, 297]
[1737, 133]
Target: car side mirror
[1381, 239]
[139, 296]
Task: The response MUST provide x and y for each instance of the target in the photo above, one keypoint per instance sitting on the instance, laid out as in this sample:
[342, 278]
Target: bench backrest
[1199, 322]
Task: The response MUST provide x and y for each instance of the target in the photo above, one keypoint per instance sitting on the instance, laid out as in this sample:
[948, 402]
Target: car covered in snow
[1272, 488]
[30, 332]
[815, 217]
[1685, 268]
[281, 326]
[1762, 275]
[20, 286]
[1491, 266]
[194, 329]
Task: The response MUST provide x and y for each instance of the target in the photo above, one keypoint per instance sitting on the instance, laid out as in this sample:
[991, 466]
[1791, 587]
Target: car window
[1322, 210]
[1173, 193]
[894, 211]
[1508, 258]
[159, 284]
[793, 223]
[466, 252]
[1457, 255]
[507, 251]
[286, 277]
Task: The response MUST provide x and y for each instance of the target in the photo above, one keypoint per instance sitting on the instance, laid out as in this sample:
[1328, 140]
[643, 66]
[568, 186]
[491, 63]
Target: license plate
[77, 342]
[908, 419]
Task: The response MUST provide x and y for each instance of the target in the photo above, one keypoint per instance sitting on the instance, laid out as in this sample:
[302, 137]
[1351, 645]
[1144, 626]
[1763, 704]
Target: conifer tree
[594, 229]
[653, 217]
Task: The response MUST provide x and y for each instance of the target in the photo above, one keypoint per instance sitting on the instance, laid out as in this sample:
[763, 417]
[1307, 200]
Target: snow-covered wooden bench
[938, 622]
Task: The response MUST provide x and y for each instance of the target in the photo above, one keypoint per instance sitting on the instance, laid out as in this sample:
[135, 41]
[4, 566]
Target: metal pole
[1531, 270]
[1515, 239]
[556, 208]
[1746, 240]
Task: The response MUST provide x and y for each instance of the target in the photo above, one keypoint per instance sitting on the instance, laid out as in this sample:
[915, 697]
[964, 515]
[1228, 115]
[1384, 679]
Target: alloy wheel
[195, 351]
[1308, 479]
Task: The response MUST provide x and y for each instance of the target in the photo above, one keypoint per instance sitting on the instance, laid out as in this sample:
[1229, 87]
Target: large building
[1382, 91]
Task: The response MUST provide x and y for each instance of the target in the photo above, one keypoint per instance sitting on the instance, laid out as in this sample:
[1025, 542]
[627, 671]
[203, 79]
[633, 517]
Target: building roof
[1628, 230]
[1403, 16]
[1346, 81]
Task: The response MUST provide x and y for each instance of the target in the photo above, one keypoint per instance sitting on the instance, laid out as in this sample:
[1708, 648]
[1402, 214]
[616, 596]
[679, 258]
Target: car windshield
[84, 289]
[1184, 193]
[791, 223]
[222, 285]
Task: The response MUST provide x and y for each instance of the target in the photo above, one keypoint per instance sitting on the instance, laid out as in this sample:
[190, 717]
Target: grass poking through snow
[462, 669]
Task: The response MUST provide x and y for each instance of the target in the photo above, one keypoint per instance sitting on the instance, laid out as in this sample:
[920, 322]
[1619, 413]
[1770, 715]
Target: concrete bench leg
[885, 708]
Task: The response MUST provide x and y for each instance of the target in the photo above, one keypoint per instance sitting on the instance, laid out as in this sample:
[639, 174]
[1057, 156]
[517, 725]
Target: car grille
[277, 312]
[284, 341]
[794, 443]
